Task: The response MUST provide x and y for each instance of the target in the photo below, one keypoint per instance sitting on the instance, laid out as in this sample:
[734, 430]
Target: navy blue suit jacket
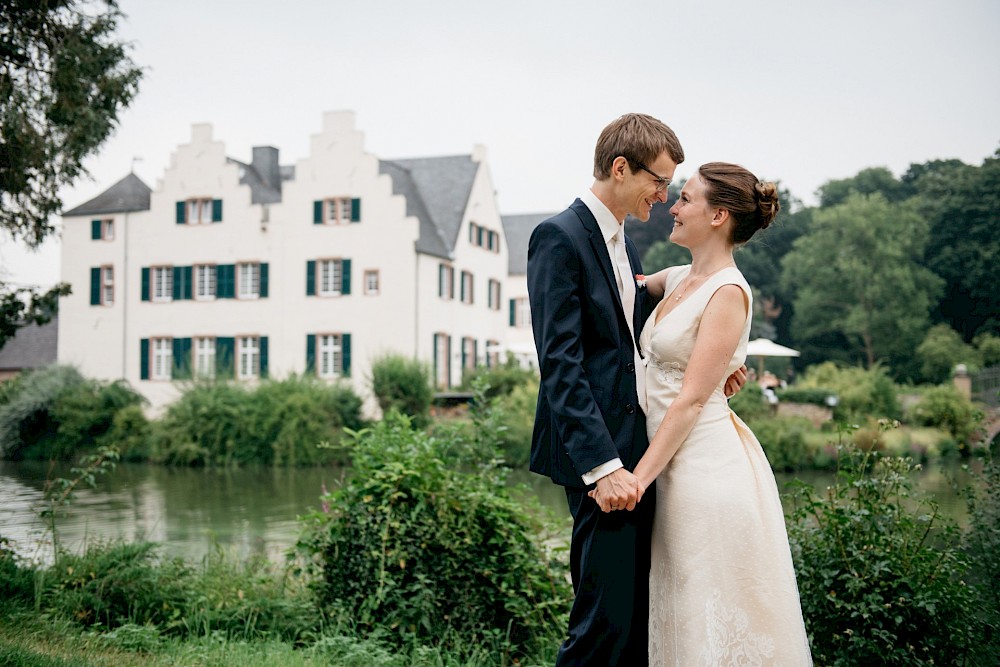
[587, 411]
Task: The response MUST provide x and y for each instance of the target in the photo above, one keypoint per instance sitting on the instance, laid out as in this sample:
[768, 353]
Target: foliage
[960, 203]
[402, 384]
[114, 584]
[784, 442]
[749, 403]
[425, 549]
[502, 378]
[941, 350]
[130, 432]
[873, 180]
[857, 272]
[63, 81]
[988, 346]
[860, 392]
[277, 423]
[663, 254]
[982, 544]
[17, 583]
[811, 395]
[880, 573]
[55, 413]
[518, 409]
[944, 406]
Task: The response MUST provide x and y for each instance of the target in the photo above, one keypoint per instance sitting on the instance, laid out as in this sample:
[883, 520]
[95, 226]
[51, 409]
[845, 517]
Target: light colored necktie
[626, 289]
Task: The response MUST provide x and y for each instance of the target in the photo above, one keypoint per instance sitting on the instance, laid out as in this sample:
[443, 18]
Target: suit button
[629, 409]
[630, 368]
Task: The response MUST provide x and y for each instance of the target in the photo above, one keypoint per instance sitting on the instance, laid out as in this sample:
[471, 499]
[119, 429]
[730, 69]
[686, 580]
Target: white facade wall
[104, 341]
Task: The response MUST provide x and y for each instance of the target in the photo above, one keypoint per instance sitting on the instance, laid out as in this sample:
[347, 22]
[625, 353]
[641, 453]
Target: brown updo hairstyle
[753, 204]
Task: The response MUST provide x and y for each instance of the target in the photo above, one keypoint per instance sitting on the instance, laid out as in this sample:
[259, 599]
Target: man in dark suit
[589, 425]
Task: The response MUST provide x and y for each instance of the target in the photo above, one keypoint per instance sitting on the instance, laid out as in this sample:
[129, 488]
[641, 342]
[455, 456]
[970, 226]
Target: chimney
[265, 162]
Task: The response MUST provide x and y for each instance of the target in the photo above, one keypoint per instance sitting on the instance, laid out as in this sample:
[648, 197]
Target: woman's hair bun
[767, 202]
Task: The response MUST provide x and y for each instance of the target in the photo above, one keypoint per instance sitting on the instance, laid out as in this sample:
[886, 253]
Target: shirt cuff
[602, 470]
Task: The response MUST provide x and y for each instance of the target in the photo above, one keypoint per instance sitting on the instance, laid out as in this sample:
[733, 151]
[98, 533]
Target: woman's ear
[719, 216]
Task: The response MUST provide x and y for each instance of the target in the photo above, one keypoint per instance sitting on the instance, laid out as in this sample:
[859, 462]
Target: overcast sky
[799, 91]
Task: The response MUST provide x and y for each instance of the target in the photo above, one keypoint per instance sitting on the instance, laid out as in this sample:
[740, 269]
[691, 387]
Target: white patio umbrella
[762, 347]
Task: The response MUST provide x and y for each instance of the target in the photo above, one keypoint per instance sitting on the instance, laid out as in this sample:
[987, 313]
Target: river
[244, 512]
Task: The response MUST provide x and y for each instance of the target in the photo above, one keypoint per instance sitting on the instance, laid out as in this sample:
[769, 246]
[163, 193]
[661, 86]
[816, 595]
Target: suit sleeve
[554, 288]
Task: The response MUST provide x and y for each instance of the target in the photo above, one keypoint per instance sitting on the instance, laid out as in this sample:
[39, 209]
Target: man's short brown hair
[636, 137]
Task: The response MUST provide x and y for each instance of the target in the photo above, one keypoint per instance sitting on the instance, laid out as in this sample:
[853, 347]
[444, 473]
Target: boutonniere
[640, 280]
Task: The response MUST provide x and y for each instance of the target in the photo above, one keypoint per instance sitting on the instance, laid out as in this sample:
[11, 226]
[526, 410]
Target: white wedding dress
[722, 584]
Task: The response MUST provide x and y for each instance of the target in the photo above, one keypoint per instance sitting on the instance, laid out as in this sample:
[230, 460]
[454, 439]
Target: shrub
[424, 548]
[502, 378]
[26, 413]
[749, 403]
[879, 584]
[403, 384]
[16, 582]
[207, 425]
[941, 350]
[989, 348]
[860, 392]
[784, 441]
[518, 408]
[982, 544]
[810, 395]
[945, 407]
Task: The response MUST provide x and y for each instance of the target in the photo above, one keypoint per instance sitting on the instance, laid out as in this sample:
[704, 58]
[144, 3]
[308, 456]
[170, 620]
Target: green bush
[860, 392]
[880, 572]
[945, 407]
[784, 442]
[115, 584]
[421, 547]
[403, 384]
[16, 582]
[941, 350]
[277, 423]
[810, 395]
[502, 378]
[749, 403]
[518, 408]
[988, 346]
[982, 544]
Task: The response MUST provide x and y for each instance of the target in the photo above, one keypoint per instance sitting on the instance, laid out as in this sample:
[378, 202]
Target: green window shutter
[95, 286]
[95, 230]
[216, 210]
[263, 279]
[178, 277]
[263, 356]
[310, 278]
[225, 281]
[475, 352]
[441, 280]
[145, 283]
[317, 212]
[188, 282]
[345, 353]
[448, 365]
[513, 309]
[225, 349]
[143, 358]
[345, 276]
[465, 357]
[181, 358]
[181, 209]
[310, 353]
[435, 346]
[355, 210]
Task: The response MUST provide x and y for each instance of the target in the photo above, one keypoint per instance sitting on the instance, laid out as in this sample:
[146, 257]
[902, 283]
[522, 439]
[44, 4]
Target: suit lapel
[600, 249]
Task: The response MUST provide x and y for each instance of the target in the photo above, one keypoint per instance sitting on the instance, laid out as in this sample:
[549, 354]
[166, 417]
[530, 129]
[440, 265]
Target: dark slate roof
[128, 194]
[261, 192]
[517, 229]
[437, 193]
[32, 346]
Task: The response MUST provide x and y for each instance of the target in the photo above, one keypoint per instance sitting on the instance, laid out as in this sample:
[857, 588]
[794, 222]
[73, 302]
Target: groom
[589, 425]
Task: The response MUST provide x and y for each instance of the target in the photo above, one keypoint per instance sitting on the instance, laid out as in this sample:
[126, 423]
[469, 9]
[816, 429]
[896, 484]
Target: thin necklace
[687, 282]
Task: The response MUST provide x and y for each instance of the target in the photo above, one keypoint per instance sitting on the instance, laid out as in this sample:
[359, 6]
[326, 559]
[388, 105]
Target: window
[331, 277]
[205, 276]
[468, 353]
[249, 357]
[472, 232]
[102, 230]
[204, 357]
[107, 285]
[492, 353]
[331, 360]
[248, 280]
[520, 312]
[163, 358]
[163, 283]
[494, 294]
[371, 282]
[467, 287]
[446, 281]
[337, 211]
[442, 361]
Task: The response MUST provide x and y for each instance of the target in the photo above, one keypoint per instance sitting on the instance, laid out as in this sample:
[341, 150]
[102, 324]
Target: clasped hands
[621, 490]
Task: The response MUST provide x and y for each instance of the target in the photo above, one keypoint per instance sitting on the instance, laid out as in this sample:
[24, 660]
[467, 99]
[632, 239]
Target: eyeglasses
[661, 183]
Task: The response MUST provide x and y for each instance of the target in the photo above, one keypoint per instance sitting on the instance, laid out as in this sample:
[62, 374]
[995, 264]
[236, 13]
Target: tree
[63, 81]
[866, 182]
[961, 202]
[941, 350]
[857, 273]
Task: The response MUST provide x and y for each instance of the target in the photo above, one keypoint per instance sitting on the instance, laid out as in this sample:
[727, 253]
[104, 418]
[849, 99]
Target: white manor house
[247, 271]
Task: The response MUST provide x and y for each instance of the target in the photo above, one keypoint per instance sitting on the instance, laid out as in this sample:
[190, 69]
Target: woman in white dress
[722, 584]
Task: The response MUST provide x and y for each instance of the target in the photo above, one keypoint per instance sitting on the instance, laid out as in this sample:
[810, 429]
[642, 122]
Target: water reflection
[243, 511]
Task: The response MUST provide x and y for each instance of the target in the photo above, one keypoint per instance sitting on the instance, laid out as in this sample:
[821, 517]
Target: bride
[722, 584]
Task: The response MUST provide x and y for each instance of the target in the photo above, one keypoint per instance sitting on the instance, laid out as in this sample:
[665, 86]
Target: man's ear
[618, 168]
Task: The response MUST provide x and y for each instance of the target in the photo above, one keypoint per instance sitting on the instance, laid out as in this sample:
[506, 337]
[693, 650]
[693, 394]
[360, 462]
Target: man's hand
[620, 490]
[736, 381]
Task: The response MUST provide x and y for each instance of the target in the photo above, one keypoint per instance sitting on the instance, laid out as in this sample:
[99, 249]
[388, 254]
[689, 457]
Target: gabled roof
[517, 229]
[128, 194]
[437, 191]
[32, 346]
[261, 192]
